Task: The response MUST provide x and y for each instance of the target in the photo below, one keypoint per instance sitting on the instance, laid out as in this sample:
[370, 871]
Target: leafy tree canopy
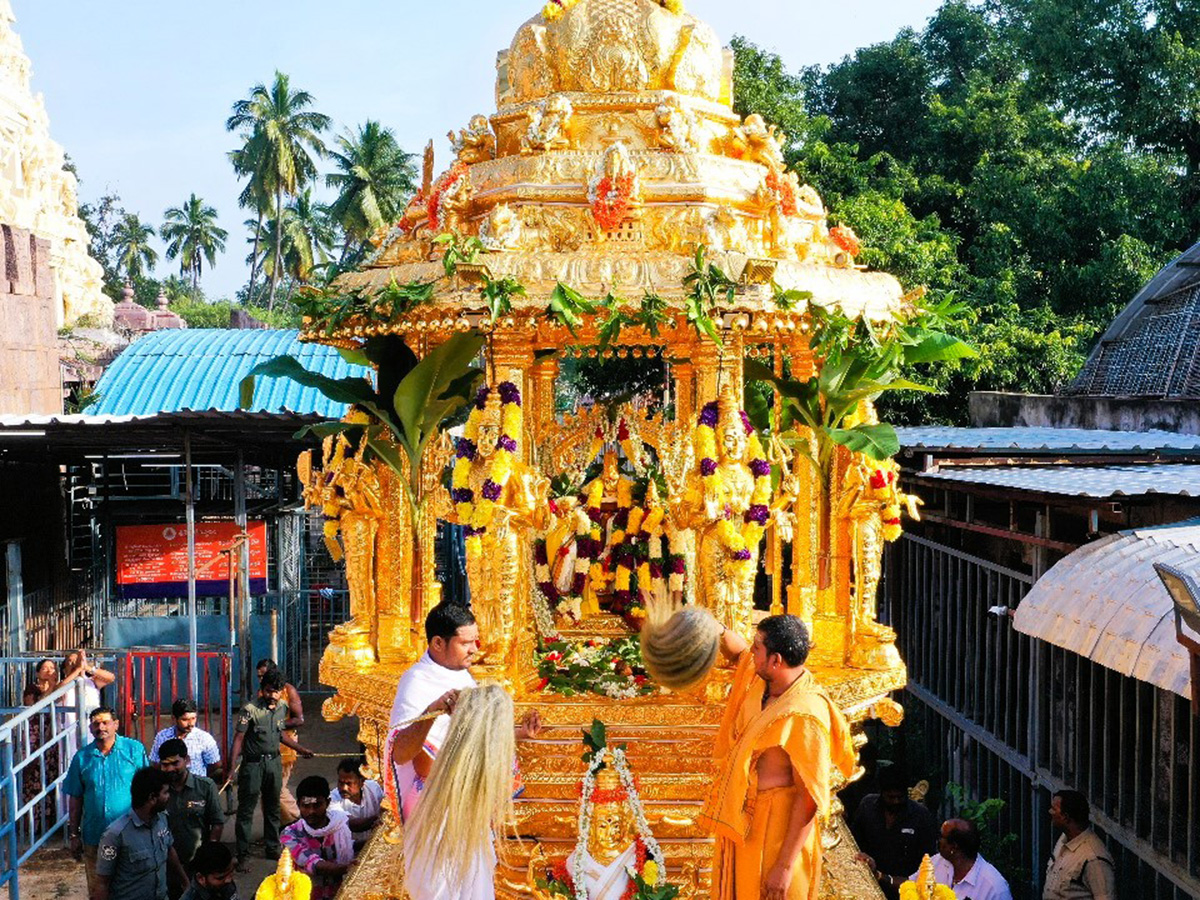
[990, 158]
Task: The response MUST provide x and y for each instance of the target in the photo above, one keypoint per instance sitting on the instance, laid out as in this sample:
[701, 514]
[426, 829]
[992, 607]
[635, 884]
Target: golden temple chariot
[613, 157]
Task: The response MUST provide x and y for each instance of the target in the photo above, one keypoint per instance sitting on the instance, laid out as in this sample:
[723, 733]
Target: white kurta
[422, 684]
[605, 882]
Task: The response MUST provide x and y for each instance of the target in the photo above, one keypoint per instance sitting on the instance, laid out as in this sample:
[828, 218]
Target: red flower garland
[406, 224]
[612, 201]
[846, 239]
[443, 184]
[785, 190]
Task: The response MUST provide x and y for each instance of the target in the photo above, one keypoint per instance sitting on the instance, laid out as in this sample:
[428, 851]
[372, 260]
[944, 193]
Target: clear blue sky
[138, 91]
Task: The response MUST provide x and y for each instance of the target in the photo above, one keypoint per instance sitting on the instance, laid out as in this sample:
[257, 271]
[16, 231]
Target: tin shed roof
[1106, 603]
[201, 369]
[1028, 439]
[1098, 482]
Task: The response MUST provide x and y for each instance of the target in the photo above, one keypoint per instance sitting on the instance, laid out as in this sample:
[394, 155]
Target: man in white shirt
[358, 797]
[204, 756]
[961, 867]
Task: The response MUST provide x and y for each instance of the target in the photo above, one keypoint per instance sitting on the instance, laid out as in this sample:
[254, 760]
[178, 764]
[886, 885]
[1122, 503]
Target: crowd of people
[150, 826]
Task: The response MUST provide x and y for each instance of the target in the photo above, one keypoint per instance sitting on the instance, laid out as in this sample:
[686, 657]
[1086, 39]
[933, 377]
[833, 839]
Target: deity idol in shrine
[730, 510]
[494, 495]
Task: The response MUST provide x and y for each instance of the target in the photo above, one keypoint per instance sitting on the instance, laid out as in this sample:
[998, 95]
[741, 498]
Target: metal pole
[13, 792]
[190, 504]
[239, 517]
[16, 597]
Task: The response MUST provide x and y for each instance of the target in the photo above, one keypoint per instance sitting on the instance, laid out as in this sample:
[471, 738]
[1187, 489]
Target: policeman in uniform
[136, 850]
[259, 735]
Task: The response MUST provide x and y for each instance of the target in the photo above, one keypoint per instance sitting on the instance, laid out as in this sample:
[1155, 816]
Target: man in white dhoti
[431, 685]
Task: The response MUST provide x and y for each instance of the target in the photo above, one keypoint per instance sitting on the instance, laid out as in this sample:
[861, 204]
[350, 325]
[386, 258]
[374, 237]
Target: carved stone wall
[29, 374]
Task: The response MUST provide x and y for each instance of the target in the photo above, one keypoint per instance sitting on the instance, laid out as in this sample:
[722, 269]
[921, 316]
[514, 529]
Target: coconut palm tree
[131, 241]
[282, 134]
[374, 181]
[311, 226]
[256, 195]
[192, 236]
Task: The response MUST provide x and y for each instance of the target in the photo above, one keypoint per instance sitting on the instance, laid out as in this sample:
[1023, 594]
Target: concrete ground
[53, 875]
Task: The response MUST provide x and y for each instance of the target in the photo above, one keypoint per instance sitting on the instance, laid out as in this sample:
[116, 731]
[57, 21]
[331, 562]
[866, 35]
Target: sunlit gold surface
[618, 87]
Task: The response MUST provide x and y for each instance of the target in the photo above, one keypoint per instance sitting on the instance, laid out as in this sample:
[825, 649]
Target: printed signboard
[152, 559]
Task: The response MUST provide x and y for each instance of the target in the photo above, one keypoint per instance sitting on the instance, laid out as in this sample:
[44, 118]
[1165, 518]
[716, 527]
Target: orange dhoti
[750, 825]
[738, 870]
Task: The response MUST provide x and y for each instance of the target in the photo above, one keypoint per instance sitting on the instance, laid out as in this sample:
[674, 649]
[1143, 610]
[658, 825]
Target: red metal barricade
[156, 678]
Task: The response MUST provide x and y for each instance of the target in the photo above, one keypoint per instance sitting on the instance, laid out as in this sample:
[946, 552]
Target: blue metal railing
[30, 742]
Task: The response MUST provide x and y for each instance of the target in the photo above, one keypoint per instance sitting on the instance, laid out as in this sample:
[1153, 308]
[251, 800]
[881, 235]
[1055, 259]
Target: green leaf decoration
[436, 388]
[877, 442]
[340, 390]
[939, 347]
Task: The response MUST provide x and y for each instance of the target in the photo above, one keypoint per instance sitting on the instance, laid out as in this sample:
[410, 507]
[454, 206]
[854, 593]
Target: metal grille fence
[1018, 718]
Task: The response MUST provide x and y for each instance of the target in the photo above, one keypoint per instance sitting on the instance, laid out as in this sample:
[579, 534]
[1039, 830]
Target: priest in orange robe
[780, 744]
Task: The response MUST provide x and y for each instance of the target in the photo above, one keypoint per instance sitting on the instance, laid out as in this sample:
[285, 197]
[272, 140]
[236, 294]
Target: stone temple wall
[29, 372]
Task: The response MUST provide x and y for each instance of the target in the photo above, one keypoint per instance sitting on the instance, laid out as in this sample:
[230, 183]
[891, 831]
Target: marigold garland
[846, 239]
[476, 512]
[611, 199]
[785, 190]
[739, 538]
[406, 224]
[554, 10]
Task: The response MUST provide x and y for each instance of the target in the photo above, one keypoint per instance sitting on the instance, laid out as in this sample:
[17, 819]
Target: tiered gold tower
[613, 157]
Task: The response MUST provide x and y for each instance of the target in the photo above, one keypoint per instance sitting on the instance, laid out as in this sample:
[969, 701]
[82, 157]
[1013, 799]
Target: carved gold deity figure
[758, 142]
[348, 491]
[611, 496]
[610, 850]
[493, 571]
[475, 143]
[549, 125]
[729, 505]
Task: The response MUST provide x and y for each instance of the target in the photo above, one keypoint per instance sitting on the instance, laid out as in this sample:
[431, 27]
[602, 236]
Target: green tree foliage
[374, 180]
[193, 236]
[985, 158]
[281, 136]
[131, 244]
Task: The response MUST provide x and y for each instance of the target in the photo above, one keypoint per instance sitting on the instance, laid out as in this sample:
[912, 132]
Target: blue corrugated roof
[201, 369]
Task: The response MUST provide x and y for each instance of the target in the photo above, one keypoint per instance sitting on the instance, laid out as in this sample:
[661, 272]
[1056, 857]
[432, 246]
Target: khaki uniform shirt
[1081, 869]
[262, 728]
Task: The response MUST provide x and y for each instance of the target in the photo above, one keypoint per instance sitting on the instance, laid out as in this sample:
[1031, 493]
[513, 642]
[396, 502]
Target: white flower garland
[653, 850]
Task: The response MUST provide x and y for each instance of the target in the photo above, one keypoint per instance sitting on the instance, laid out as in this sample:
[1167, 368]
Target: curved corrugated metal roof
[1031, 439]
[1106, 603]
[1172, 479]
[202, 368]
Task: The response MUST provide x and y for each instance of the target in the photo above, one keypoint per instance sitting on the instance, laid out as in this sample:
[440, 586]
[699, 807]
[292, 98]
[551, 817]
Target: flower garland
[434, 205]
[408, 223]
[587, 546]
[610, 199]
[569, 877]
[784, 190]
[612, 668]
[476, 513]
[846, 239]
[738, 539]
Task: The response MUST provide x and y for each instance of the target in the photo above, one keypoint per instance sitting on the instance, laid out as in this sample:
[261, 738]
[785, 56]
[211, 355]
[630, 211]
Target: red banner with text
[152, 560]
